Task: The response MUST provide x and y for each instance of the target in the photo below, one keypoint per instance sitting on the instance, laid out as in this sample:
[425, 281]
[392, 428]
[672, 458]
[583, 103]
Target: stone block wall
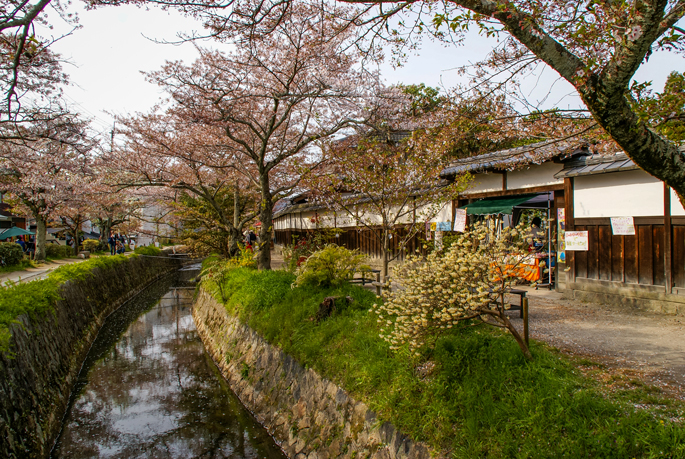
[48, 351]
[308, 416]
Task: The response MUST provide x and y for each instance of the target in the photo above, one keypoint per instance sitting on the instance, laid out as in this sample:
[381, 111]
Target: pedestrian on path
[112, 243]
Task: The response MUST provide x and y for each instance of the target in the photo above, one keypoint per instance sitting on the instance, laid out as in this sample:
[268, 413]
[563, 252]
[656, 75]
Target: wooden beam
[668, 241]
[494, 194]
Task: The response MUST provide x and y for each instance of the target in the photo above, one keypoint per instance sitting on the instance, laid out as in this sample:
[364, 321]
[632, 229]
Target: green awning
[14, 231]
[493, 206]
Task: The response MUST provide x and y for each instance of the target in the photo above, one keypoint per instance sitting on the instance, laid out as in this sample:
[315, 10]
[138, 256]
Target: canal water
[149, 390]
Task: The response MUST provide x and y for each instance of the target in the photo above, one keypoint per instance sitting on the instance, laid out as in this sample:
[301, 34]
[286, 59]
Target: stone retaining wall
[307, 415]
[48, 351]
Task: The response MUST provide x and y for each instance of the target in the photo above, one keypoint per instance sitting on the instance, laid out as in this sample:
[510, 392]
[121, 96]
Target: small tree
[385, 187]
[467, 282]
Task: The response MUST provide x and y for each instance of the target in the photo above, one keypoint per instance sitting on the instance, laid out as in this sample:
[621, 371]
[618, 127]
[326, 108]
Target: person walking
[112, 243]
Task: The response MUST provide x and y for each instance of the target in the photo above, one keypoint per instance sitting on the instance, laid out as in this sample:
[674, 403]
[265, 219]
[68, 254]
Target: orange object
[529, 272]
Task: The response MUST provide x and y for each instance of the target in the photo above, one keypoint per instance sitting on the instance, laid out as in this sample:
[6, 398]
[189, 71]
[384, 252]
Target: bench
[522, 295]
[363, 280]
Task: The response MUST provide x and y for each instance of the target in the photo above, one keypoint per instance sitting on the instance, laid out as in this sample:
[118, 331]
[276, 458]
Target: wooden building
[645, 270]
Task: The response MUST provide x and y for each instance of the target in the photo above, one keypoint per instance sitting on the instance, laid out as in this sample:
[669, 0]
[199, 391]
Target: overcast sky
[114, 45]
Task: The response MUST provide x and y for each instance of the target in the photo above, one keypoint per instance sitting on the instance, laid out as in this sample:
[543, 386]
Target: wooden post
[568, 203]
[524, 307]
[668, 241]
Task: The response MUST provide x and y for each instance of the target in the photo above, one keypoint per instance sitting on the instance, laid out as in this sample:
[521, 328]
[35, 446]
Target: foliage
[664, 111]
[149, 250]
[91, 245]
[10, 253]
[384, 186]
[39, 297]
[476, 396]
[468, 282]
[301, 248]
[330, 266]
[56, 251]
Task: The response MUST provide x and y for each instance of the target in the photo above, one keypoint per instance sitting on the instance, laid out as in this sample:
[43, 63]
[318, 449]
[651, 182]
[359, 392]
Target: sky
[114, 45]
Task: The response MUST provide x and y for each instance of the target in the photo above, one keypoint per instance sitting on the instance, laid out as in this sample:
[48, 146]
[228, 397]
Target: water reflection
[149, 390]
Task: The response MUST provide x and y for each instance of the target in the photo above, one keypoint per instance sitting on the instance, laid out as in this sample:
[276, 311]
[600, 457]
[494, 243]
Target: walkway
[39, 272]
[630, 343]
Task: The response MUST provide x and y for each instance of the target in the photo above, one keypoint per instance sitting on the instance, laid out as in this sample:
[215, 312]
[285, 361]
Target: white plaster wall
[676, 206]
[445, 214]
[483, 183]
[618, 194]
[536, 175]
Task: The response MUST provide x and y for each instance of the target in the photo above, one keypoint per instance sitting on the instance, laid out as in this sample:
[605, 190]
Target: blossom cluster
[467, 281]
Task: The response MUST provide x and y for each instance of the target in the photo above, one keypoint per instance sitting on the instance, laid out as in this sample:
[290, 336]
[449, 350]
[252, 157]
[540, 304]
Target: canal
[148, 389]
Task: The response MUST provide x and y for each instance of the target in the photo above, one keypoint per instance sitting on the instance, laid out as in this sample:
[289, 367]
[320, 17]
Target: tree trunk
[654, 154]
[41, 236]
[384, 253]
[266, 217]
[234, 237]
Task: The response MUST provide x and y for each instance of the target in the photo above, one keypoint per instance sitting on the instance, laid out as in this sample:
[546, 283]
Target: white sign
[576, 240]
[622, 226]
[438, 240]
[460, 220]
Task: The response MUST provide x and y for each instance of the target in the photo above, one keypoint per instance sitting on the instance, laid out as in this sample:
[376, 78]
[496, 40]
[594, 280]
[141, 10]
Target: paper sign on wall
[576, 240]
[622, 226]
[460, 220]
[434, 226]
[444, 226]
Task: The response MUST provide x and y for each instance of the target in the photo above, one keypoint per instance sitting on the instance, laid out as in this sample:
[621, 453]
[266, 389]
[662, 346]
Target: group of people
[250, 240]
[117, 243]
[28, 245]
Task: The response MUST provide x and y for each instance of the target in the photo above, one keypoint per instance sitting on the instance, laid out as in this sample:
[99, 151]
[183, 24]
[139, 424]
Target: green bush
[11, 253]
[150, 250]
[58, 251]
[330, 267]
[91, 245]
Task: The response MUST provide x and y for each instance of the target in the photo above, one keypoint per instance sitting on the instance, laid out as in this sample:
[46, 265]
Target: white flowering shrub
[468, 281]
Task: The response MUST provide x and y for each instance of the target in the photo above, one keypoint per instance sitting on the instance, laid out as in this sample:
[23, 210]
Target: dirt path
[642, 345]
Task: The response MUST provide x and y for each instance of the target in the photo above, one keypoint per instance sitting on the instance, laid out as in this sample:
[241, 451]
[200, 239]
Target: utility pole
[111, 144]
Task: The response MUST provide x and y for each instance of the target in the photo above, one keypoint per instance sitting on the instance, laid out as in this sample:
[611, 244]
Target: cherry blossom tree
[187, 163]
[596, 46]
[274, 98]
[37, 174]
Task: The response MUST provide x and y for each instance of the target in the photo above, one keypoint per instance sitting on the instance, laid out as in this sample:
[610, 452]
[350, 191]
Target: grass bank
[473, 396]
[40, 296]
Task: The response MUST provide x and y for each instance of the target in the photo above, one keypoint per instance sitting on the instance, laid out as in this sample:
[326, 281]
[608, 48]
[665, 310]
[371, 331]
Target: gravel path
[641, 345]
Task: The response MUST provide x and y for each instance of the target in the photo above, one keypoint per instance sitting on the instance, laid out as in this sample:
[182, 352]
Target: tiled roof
[535, 153]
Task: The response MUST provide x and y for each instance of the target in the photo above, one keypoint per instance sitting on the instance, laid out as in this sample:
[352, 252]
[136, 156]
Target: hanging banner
[443, 226]
[622, 226]
[438, 240]
[428, 231]
[460, 220]
[577, 241]
[561, 231]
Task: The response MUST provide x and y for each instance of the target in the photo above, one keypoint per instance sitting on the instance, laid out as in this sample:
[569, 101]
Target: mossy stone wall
[48, 351]
[308, 416]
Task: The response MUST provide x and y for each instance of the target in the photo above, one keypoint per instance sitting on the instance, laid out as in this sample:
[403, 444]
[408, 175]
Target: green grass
[39, 297]
[149, 250]
[483, 399]
[22, 266]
